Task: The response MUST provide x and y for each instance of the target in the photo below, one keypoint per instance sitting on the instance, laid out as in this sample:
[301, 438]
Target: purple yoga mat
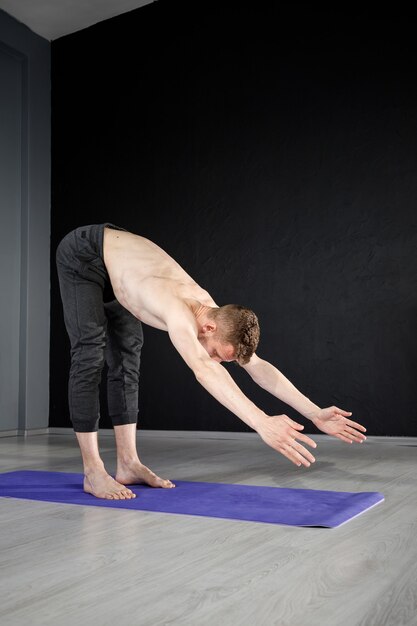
[273, 505]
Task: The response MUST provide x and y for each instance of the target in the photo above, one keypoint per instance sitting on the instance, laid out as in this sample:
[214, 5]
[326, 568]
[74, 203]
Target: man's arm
[280, 432]
[331, 420]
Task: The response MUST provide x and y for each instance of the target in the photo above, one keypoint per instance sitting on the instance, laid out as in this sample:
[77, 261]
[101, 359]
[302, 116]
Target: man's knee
[87, 359]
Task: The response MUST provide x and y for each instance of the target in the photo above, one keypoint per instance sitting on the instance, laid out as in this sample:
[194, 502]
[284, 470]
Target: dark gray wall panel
[30, 243]
[11, 80]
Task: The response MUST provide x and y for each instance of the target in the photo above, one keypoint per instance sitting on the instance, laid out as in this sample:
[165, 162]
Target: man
[150, 287]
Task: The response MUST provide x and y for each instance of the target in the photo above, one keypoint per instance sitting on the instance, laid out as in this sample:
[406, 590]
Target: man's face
[217, 350]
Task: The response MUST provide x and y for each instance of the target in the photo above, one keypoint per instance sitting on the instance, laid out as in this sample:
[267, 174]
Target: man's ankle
[127, 459]
[94, 468]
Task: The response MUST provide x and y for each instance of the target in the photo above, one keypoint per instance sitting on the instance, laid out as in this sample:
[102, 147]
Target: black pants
[98, 331]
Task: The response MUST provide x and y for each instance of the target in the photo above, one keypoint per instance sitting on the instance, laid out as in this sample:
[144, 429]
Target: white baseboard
[24, 433]
[175, 434]
[9, 433]
[207, 434]
[193, 434]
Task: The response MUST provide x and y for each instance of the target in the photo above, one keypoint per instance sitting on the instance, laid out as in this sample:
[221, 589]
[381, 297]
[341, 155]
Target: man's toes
[165, 484]
[127, 494]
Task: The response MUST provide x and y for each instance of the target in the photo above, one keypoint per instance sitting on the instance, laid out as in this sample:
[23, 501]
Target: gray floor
[68, 564]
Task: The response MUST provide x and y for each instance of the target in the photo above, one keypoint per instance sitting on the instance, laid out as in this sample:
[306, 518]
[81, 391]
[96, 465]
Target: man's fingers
[291, 422]
[303, 452]
[356, 425]
[306, 439]
[350, 422]
[296, 453]
[297, 459]
[283, 434]
[354, 434]
[342, 412]
[349, 435]
[344, 438]
[291, 457]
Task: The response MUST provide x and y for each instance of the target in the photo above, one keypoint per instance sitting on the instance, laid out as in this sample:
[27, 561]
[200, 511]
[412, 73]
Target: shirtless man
[150, 287]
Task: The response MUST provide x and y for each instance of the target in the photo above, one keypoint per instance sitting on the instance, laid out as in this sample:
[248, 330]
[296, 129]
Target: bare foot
[135, 473]
[101, 485]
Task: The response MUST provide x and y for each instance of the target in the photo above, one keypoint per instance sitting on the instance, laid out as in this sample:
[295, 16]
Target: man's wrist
[314, 414]
[257, 420]
[303, 405]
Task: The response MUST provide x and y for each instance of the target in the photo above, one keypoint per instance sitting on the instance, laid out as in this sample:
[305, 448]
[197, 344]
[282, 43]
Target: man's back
[146, 280]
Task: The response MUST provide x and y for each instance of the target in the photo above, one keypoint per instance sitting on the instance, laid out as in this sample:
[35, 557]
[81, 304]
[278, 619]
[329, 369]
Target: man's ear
[209, 328]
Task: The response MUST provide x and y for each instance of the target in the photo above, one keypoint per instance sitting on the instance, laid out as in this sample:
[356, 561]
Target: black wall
[277, 164]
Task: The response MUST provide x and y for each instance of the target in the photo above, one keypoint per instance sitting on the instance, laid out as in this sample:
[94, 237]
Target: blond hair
[239, 327]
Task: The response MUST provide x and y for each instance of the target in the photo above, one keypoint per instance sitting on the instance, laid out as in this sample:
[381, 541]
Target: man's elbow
[258, 373]
[203, 369]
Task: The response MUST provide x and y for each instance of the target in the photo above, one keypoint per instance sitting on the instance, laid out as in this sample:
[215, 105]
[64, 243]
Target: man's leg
[85, 321]
[123, 348]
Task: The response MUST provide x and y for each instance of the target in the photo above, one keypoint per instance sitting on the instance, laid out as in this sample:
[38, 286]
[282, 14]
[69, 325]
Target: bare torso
[146, 280]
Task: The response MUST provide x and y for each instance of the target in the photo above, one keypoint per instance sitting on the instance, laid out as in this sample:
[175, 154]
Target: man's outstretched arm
[280, 432]
[332, 420]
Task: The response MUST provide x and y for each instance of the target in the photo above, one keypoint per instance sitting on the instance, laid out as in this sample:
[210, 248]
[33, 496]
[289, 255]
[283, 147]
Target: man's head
[230, 333]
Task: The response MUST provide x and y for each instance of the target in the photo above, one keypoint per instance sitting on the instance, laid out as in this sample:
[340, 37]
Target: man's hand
[280, 432]
[335, 422]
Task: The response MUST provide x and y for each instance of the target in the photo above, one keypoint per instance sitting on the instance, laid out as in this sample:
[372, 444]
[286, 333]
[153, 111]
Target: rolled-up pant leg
[123, 348]
[86, 323]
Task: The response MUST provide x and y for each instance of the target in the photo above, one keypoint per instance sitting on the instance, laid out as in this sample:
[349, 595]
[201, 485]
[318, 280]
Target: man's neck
[199, 310]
